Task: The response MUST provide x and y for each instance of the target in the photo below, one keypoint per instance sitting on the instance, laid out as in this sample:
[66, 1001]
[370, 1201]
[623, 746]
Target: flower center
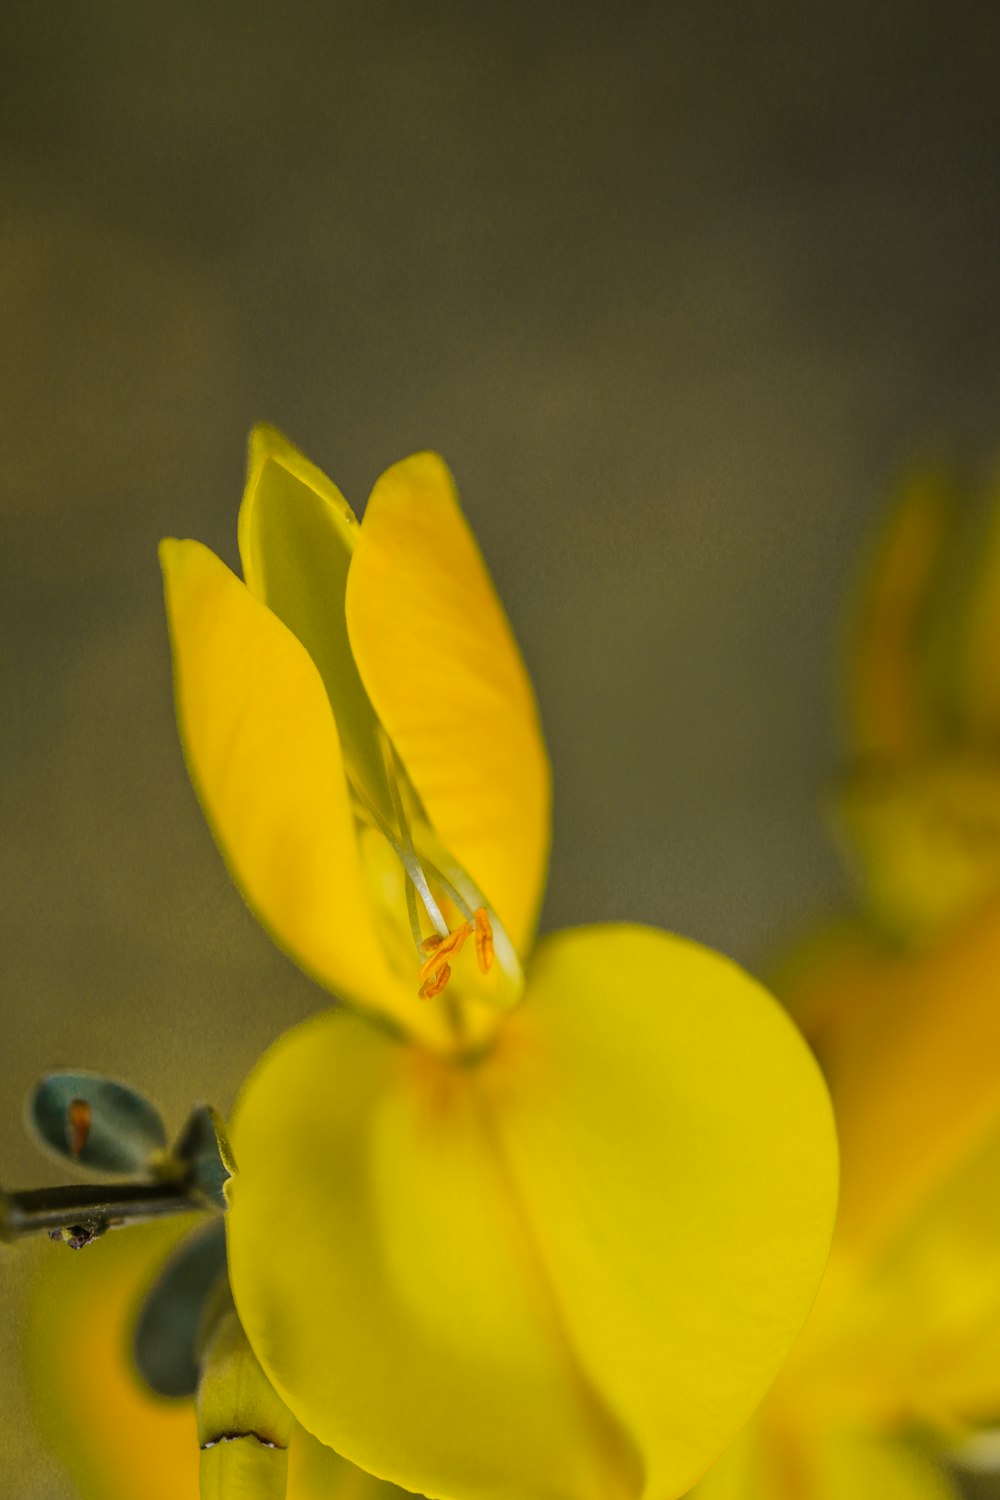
[438, 895]
[435, 971]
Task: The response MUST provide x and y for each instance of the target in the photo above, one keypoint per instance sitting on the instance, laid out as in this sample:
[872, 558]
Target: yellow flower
[920, 810]
[550, 1229]
[115, 1438]
[901, 1356]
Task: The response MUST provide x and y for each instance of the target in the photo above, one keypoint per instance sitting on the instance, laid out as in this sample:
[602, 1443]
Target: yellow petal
[673, 1149]
[921, 1331]
[386, 1285]
[297, 535]
[747, 1470]
[441, 666]
[568, 1272]
[769, 1461]
[868, 1466]
[263, 754]
[909, 1044]
[926, 840]
[978, 668]
[886, 694]
[315, 1472]
[812, 979]
[115, 1438]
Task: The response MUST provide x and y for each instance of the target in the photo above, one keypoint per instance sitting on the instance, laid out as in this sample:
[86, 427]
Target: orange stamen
[484, 940]
[435, 983]
[444, 950]
[77, 1125]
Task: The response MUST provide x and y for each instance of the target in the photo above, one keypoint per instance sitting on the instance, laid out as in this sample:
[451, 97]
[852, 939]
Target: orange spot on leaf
[78, 1118]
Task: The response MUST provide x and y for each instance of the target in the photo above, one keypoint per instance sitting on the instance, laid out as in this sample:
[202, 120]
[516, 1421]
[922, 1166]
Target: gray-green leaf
[165, 1342]
[204, 1152]
[96, 1122]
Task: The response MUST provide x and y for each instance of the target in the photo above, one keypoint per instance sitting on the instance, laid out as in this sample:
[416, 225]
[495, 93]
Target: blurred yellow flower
[900, 1360]
[901, 1356]
[115, 1438]
[549, 1249]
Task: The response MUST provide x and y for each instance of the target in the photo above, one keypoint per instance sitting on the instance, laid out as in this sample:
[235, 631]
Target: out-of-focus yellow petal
[297, 536]
[920, 1335]
[845, 1464]
[441, 666]
[672, 1146]
[886, 701]
[116, 1439]
[772, 1462]
[910, 1049]
[979, 664]
[263, 754]
[925, 841]
[813, 978]
[570, 1271]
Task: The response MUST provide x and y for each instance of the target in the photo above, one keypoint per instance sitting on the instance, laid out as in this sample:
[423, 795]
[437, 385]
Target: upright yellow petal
[441, 666]
[263, 753]
[297, 535]
[671, 1143]
[570, 1271]
[885, 692]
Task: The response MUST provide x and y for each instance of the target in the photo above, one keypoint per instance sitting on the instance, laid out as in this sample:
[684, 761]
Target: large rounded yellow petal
[387, 1285]
[672, 1146]
[263, 754]
[115, 1438]
[568, 1272]
[441, 666]
[297, 535]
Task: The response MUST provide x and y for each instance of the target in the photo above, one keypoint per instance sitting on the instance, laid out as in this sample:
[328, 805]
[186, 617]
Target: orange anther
[444, 949]
[484, 939]
[435, 983]
[77, 1125]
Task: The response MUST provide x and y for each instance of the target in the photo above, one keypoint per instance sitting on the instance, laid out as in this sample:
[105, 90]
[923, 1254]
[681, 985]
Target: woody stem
[90, 1206]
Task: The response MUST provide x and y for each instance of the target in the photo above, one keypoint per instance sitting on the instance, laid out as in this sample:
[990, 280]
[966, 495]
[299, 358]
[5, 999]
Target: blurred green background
[676, 290]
